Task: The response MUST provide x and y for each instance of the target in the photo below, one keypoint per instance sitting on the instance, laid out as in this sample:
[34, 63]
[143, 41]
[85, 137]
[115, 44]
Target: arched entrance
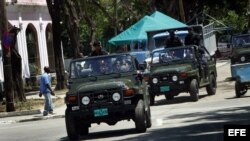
[33, 50]
[50, 49]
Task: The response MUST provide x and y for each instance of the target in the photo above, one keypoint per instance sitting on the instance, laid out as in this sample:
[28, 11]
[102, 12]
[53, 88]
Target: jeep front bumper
[105, 113]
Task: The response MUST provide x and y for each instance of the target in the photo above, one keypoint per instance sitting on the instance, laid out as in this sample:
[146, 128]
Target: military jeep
[106, 89]
[182, 67]
[240, 63]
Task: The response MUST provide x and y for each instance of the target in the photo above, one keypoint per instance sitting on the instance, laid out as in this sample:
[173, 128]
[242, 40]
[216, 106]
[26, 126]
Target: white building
[34, 41]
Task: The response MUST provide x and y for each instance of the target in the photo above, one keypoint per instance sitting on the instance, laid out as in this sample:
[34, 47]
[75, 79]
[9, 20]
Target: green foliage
[235, 21]
[233, 13]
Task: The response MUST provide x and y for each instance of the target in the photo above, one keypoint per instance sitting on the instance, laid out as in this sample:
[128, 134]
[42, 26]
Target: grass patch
[32, 104]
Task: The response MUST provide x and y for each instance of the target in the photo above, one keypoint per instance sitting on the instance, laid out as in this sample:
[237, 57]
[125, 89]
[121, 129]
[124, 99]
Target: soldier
[172, 40]
[98, 49]
[192, 38]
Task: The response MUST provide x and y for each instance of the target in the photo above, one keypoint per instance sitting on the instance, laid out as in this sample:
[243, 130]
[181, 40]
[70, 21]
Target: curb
[20, 113]
[32, 119]
[41, 118]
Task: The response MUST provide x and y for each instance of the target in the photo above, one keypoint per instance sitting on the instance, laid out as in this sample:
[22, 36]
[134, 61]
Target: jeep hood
[172, 68]
[104, 84]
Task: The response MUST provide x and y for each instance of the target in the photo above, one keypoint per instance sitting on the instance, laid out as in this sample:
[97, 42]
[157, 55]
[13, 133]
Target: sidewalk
[33, 115]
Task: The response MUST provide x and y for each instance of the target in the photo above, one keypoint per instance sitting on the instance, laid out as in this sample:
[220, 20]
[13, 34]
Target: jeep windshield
[241, 40]
[160, 38]
[172, 55]
[101, 65]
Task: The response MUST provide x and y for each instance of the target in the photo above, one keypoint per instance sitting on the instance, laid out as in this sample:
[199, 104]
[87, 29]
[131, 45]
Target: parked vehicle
[240, 63]
[106, 89]
[224, 46]
[184, 68]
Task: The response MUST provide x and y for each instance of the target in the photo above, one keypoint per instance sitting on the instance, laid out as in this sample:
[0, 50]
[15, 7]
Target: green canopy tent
[170, 22]
[137, 32]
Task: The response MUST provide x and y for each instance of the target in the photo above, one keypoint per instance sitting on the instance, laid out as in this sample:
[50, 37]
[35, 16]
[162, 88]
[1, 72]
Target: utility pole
[8, 83]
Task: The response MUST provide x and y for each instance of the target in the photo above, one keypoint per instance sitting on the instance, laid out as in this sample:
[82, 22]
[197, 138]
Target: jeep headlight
[116, 97]
[155, 80]
[85, 100]
[174, 78]
[242, 58]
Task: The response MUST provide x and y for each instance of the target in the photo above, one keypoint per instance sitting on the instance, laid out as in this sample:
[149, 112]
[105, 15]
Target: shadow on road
[243, 96]
[176, 100]
[105, 134]
[202, 126]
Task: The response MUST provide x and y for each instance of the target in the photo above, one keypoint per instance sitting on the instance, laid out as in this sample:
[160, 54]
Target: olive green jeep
[240, 63]
[108, 89]
[184, 68]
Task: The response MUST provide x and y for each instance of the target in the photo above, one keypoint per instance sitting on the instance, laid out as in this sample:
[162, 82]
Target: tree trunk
[54, 10]
[115, 17]
[8, 83]
[91, 23]
[16, 61]
[171, 8]
[71, 20]
[182, 12]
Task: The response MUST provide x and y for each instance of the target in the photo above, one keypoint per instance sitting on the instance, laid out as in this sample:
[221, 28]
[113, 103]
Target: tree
[16, 61]
[54, 10]
[8, 83]
[71, 16]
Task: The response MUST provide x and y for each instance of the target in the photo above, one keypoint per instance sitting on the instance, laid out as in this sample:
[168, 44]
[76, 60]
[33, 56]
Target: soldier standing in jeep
[98, 49]
[192, 38]
[172, 40]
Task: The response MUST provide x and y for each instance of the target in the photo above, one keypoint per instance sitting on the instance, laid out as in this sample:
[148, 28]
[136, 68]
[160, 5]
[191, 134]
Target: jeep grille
[166, 76]
[101, 96]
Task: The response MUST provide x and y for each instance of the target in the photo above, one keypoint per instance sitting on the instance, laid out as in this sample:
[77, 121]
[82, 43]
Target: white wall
[20, 15]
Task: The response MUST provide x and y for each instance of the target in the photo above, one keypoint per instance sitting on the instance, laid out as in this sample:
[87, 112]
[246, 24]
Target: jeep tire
[239, 89]
[140, 117]
[152, 98]
[148, 118]
[169, 96]
[194, 90]
[71, 126]
[211, 87]
[83, 129]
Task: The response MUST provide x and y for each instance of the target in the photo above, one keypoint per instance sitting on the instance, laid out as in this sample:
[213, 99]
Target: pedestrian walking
[46, 91]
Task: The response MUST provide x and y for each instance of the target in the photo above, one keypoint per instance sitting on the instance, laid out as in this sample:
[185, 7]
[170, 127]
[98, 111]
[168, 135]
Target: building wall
[35, 13]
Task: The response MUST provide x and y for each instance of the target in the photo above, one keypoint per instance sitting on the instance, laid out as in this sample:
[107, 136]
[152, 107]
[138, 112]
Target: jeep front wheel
[149, 121]
[152, 99]
[140, 117]
[194, 90]
[211, 87]
[169, 96]
[84, 129]
[70, 126]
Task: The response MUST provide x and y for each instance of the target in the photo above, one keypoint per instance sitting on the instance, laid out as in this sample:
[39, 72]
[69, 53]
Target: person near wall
[46, 91]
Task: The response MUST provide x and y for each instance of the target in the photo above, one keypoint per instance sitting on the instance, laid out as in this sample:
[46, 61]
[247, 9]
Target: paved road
[176, 120]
